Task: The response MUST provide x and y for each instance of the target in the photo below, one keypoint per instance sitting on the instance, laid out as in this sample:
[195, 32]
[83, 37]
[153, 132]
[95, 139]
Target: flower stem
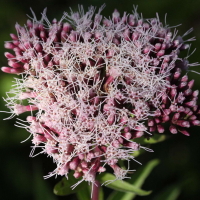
[95, 193]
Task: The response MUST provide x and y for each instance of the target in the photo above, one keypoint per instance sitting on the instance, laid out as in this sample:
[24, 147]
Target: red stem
[95, 193]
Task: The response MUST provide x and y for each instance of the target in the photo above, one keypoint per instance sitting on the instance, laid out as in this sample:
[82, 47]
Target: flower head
[96, 84]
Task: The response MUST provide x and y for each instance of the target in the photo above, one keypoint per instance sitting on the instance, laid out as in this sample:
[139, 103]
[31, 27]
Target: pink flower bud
[183, 123]
[21, 109]
[126, 34]
[116, 16]
[74, 163]
[173, 129]
[123, 120]
[84, 164]
[9, 55]
[157, 120]
[81, 156]
[132, 145]
[183, 131]
[9, 45]
[160, 128]
[165, 119]
[63, 169]
[101, 169]
[195, 122]
[90, 156]
[37, 139]
[14, 64]
[77, 174]
[127, 135]
[135, 36]
[161, 53]
[157, 46]
[190, 103]
[191, 84]
[11, 70]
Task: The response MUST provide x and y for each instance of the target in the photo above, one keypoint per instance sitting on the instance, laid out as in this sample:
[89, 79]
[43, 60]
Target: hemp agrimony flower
[96, 84]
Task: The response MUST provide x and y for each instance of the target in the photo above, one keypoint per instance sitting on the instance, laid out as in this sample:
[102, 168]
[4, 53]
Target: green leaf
[116, 195]
[137, 180]
[83, 194]
[121, 164]
[170, 193]
[121, 185]
[138, 153]
[155, 139]
[63, 187]
[143, 172]
[144, 141]
[101, 194]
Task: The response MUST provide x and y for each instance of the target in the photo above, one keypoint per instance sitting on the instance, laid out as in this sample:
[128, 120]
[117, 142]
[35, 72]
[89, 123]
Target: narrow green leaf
[83, 194]
[121, 164]
[116, 195]
[121, 185]
[170, 193]
[143, 172]
[155, 139]
[173, 191]
[101, 194]
[138, 153]
[137, 180]
[63, 187]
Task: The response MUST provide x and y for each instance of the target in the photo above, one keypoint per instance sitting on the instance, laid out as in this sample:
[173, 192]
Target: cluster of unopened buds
[93, 85]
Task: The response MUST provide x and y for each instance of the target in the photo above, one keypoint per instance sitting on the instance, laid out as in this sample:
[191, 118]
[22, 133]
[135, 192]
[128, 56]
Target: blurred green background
[21, 177]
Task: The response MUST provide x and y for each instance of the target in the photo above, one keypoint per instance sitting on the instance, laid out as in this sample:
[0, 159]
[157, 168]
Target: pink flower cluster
[96, 84]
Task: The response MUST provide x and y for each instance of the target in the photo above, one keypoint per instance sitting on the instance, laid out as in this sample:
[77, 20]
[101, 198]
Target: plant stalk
[95, 193]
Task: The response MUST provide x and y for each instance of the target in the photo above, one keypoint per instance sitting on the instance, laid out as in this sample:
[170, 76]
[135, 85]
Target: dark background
[21, 177]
